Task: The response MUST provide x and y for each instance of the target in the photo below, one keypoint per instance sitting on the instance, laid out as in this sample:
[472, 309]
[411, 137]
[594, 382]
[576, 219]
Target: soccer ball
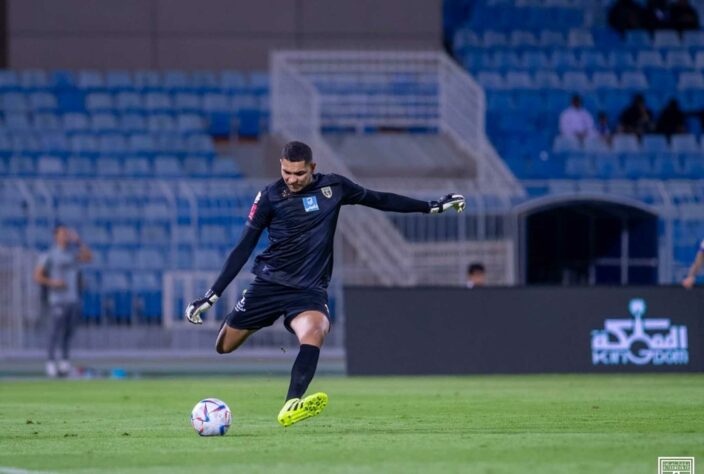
[211, 417]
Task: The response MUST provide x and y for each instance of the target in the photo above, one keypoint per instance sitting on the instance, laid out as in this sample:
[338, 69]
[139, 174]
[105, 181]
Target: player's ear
[312, 167]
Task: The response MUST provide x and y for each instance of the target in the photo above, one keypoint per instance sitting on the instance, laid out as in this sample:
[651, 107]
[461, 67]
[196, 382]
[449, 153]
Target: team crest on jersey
[327, 191]
[310, 204]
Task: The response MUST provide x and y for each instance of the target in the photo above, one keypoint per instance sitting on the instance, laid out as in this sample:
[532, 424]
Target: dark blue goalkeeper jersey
[302, 229]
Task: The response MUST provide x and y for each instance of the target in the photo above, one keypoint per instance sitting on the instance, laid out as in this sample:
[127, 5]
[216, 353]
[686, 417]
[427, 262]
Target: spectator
[683, 16]
[603, 128]
[476, 275]
[626, 15]
[656, 15]
[637, 118]
[671, 120]
[577, 122]
[57, 272]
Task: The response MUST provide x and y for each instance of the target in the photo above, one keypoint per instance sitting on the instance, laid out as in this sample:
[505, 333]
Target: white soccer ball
[211, 417]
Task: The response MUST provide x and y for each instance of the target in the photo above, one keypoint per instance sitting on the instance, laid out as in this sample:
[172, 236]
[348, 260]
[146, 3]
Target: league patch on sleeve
[253, 209]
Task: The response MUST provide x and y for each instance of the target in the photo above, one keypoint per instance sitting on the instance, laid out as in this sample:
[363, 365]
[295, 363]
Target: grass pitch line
[14, 470]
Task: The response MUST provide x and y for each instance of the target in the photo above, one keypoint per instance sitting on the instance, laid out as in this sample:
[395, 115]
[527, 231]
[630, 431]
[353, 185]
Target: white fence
[19, 296]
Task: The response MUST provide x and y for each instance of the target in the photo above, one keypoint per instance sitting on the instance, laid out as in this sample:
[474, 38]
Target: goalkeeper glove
[455, 201]
[199, 306]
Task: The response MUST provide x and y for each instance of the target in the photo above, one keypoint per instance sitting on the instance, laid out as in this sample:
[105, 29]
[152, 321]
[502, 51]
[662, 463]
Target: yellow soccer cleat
[296, 410]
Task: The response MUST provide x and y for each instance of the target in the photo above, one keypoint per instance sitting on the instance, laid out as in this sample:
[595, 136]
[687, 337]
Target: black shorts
[264, 302]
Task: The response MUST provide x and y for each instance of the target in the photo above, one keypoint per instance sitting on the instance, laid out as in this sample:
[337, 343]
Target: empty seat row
[684, 143]
[255, 82]
[587, 59]
[103, 122]
[78, 166]
[36, 143]
[579, 80]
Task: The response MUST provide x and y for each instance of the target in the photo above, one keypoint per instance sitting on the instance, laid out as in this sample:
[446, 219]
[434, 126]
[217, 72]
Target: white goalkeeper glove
[450, 201]
[199, 306]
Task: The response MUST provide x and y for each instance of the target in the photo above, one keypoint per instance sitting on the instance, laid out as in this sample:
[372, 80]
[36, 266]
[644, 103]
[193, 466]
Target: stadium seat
[550, 39]
[104, 123]
[690, 80]
[43, 102]
[637, 39]
[684, 143]
[693, 166]
[79, 166]
[678, 60]
[50, 166]
[634, 80]
[118, 81]
[666, 39]
[625, 144]
[637, 166]
[167, 166]
[655, 144]
[47, 122]
[693, 39]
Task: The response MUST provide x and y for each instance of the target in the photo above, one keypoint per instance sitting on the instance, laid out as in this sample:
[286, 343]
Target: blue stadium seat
[14, 102]
[693, 39]
[34, 80]
[225, 167]
[167, 166]
[113, 144]
[99, 102]
[620, 60]
[84, 144]
[232, 82]
[563, 59]
[679, 60]
[634, 80]
[551, 39]
[592, 59]
[577, 80]
[204, 81]
[605, 80]
[637, 166]
[655, 144]
[565, 143]
[141, 144]
[79, 166]
[684, 143]
[149, 259]
[661, 79]
[578, 165]
[118, 81]
[693, 166]
[129, 102]
[666, 39]
[207, 259]
[519, 80]
[76, 123]
[649, 59]
[146, 288]
[108, 167]
[665, 166]
[117, 292]
[494, 39]
[690, 80]
[124, 235]
[104, 123]
[17, 122]
[607, 166]
[177, 81]
[47, 122]
[625, 144]
[43, 102]
[638, 39]
[137, 167]
[154, 234]
[50, 166]
[578, 38]
[490, 80]
[187, 103]
[147, 81]
[161, 123]
[189, 123]
[547, 80]
[157, 102]
[133, 123]
[90, 81]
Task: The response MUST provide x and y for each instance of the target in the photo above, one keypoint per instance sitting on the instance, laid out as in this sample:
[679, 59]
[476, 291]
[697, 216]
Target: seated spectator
[603, 127]
[683, 16]
[636, 118]
[476, 275]
[577, 122]
[626, 15]
[671, 120]
[656, 15]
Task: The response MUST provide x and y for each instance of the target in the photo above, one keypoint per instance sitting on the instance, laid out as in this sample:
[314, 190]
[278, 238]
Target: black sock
[303, 370]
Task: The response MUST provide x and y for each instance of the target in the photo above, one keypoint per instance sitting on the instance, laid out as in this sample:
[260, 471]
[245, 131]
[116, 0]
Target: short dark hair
[297, 151]
[475, 267]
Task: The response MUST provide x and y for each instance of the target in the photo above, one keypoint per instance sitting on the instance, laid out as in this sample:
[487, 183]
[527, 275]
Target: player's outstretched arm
[398, 203]
[234, 263]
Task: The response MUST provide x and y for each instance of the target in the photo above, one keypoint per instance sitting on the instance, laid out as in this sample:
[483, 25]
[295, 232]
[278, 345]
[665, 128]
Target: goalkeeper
[292, 274]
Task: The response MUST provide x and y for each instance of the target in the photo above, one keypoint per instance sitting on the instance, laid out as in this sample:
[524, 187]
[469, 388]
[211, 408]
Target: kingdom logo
[673, 465]
[640, 341]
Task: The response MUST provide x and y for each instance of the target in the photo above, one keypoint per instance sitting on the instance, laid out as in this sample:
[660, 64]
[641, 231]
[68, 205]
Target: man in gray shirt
[57, 271]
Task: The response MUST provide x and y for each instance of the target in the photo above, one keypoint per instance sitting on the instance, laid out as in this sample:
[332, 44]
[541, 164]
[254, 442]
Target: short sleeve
[260, 212]
[43, 260]
[352, 193]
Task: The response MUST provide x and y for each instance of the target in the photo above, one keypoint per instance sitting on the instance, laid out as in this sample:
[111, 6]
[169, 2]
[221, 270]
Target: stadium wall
[523, 330]
[208, 34]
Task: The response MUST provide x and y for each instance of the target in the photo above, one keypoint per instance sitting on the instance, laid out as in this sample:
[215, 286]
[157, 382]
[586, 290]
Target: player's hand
[199, 306]
[451, 201]
[688, 282]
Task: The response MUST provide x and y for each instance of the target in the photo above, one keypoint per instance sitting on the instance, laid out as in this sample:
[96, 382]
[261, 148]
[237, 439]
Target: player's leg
[231, 338]
[310, 328]
[54, 335]
[69, 319]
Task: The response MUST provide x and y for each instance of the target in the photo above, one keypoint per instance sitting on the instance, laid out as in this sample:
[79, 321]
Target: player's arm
[41, 277]
[694, 269]
[257, 221]
[356, 194]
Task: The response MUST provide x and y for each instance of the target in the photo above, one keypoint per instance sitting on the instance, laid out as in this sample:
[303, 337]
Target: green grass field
[498, 424]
